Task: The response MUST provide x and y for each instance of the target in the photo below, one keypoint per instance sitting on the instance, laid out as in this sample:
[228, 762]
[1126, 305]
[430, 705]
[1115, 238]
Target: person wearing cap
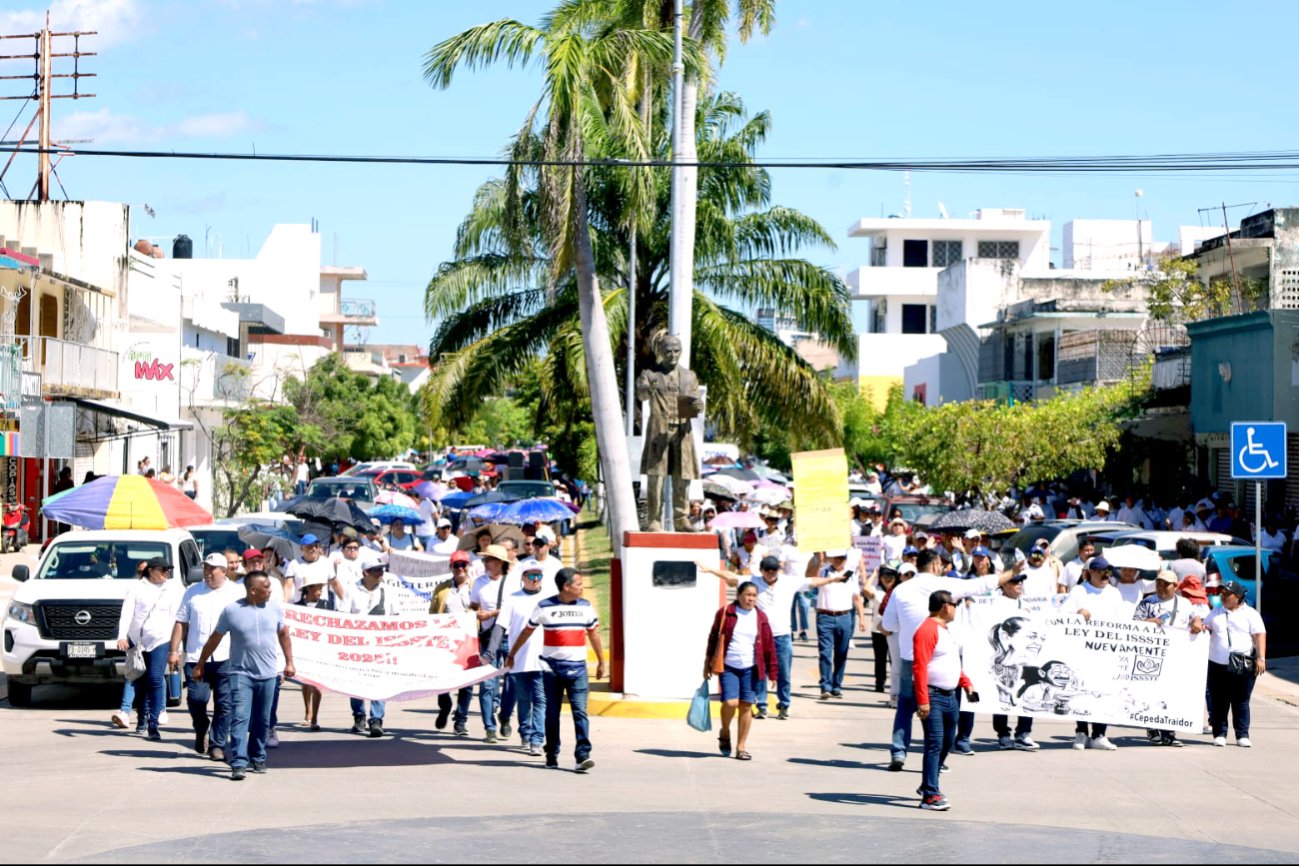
[1102, 511]
[908, 607]
[399, 539]
[896, 540]
[746, 557]
[312, 563]
[196, 619]
[937, 675]
[542, 557]
[370, 596]
[1168, 608]
[254, 560]
[444, 543]
[1043, 579]
[495, 696]
[1009, 602]
[1096, 596]
[257, 629]
[772, 536]
[147, 618]
[1235, 627]
[453, 596]
[879, 586]
[776, 594]
[839, 607]
[525, 673]
[313, 596]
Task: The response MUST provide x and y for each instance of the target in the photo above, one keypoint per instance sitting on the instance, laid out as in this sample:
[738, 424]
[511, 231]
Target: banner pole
[1258, 547]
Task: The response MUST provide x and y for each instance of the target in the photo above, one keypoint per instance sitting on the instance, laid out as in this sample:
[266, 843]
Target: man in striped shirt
[568, 621]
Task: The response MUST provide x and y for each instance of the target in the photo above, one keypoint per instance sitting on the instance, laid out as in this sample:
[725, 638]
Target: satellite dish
[942, 209]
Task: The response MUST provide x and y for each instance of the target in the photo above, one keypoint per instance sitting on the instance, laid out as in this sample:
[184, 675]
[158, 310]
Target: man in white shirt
[838, 605]
[1043, 577]
[370, 597]
[776, 594]
[312, 563]
[444, 543]
[196, 619]
[1073, 570]
[543, 559]
[908, 607]
[426, 530]
[526, 674]
[1132, 512]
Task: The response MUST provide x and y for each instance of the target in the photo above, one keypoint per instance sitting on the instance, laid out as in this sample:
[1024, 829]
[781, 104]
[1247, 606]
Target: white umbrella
[768, 495]
[1133, 556]
[735, 485]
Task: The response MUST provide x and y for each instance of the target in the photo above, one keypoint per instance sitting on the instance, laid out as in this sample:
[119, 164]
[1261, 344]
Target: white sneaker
[163, 718]
[1102, 743]
[1025, 743]
[121, 720]
[272, 740]
[1244, 742]
[1220, 741]
[1207, 730]
[893, 702]
[1080, 741]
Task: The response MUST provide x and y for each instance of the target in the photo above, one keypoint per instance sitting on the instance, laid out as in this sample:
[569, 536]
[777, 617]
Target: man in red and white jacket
[937, 673]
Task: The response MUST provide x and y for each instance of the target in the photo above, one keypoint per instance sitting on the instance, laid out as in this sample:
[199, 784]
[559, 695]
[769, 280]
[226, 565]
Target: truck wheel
[20, 694]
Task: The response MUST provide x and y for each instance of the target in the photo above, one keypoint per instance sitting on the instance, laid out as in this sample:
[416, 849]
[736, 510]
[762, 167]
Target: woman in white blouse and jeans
[1234, 627]
[148, 616]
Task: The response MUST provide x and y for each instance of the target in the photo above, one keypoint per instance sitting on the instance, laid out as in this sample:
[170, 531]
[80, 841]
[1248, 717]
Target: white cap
[836, 554]
[216, 560]
[973, 533]
[443, 522]
[1102, 506]
[907, 568]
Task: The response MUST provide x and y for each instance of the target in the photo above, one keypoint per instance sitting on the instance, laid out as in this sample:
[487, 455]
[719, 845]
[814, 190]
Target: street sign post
[1258, 453]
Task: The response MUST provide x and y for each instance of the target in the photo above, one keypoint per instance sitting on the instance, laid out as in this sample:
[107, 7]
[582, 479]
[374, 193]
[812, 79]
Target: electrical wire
[1170, 163]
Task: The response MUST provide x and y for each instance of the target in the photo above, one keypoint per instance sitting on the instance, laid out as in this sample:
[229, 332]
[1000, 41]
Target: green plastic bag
[700, 716]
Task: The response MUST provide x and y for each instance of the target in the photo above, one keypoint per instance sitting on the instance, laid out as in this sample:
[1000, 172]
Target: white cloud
[114, 20]
[107, 128]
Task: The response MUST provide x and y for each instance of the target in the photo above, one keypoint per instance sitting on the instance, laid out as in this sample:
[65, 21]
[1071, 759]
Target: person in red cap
[452, 596]
[748, 555]
[254, 560]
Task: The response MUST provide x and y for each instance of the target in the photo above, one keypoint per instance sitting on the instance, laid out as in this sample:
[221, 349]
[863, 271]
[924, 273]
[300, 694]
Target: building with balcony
[896, 295]
[338, 314]
[1265, 249]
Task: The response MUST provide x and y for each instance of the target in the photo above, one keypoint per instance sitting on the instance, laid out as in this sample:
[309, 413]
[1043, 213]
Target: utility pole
[680, 293]
[43, 56]
[1235, 277]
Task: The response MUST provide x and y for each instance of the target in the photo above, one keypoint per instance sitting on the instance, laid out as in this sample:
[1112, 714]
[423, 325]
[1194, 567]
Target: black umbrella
[989, 522]
[492, 496]
[742, 474]
[284, 542]
[333, 510]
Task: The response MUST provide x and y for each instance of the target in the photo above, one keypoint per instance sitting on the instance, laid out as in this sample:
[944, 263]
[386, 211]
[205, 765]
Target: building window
[946, 253]
[998, 249]
[933, 319]
[914, 318]
[915, 254]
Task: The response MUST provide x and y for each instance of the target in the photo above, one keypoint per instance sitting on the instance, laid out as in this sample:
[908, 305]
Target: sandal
[724, 744]
[743, 756]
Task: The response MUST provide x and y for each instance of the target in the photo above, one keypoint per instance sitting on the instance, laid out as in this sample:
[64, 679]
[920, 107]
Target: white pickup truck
[61, 624]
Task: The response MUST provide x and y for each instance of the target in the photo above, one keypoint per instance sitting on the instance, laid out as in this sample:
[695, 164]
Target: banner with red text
[384, 658]
[414, 577]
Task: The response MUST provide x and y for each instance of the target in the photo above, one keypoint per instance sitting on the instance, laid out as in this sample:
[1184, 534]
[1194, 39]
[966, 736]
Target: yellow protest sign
[821, 517]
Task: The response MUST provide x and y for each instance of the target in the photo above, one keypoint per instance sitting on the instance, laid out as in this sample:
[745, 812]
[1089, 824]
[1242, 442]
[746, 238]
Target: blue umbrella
[456, 500]
[543, 509]
[488, 511]
[388, 513]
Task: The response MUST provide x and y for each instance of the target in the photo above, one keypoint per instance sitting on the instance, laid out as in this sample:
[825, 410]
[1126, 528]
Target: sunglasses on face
[456, 565]
[351, 547]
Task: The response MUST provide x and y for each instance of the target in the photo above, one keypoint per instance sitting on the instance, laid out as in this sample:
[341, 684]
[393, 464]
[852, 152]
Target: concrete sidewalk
[659, 793]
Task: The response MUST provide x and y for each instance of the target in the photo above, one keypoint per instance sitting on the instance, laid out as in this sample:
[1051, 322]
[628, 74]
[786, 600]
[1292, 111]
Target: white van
[61, 623]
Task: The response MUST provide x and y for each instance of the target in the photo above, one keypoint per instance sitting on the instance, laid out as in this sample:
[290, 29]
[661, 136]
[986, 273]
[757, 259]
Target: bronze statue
[673, 395]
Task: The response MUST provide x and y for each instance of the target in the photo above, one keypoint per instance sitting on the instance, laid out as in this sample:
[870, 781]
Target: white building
[899, 288]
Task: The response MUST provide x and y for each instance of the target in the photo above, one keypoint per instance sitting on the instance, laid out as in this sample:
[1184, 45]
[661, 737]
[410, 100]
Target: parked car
[61, 623]
[1165, 543]
[268, 518]
[404, 479]
[359, 489]
[915, 507]
[1280, 591]
[379, 465]
[217, 537]
[527, 489]
[1062, 534]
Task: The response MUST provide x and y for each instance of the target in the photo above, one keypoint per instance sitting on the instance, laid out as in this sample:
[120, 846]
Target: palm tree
[498, 308]
[585, 103]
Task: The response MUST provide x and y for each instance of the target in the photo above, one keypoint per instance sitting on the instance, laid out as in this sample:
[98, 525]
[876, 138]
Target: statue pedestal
[665, 608]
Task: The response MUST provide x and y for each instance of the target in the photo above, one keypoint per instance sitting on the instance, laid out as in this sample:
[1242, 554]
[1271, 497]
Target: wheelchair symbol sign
[1258, 450]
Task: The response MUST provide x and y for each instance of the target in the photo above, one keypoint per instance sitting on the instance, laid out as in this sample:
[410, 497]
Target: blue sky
[842, 79]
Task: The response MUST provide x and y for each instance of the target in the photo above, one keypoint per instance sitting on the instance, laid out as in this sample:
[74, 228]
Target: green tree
[1177, 294]
[355, 417]
[253, 436]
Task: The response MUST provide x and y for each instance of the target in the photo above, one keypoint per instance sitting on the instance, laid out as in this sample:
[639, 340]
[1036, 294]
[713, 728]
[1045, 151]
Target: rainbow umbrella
[124, 502]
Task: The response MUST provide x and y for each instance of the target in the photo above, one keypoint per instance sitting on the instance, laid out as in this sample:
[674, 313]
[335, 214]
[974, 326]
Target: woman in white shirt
[1234, 627]
[148, 616]
[1096, 596]
[742, 651]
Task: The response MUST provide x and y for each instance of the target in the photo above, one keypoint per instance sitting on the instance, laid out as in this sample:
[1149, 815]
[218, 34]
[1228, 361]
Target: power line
[1287, 160]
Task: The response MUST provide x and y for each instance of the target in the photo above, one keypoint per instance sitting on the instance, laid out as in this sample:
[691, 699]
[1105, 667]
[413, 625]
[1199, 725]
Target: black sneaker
[584, 765]
[895, 766]
[552, 763]
[259, 769]
[441, 722]
[237, 774]
[506, 730]
[154, 736]
[782, 714]
[358, 724]
[836, 694]
[200, 743]
[760, 713]
[461, 729]
[376, 728]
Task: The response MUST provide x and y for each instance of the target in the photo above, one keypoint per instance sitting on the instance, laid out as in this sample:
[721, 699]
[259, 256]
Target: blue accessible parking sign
[1258, 450]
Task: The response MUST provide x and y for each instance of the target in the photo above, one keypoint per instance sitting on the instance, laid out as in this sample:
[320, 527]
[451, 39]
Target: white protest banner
[414, 577]
[384, 658]
[1120, 672]
[871, 548]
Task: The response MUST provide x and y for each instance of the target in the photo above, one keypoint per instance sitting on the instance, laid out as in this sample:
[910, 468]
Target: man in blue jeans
[255, 625]
[568, 621]
[937, 675]
[526, 672]
[199, 611]
[369, 596]
[838, 608]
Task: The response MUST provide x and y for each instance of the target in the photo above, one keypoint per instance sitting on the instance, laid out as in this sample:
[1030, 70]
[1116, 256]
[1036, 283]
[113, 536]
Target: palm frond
[479, 320]
[463, 282]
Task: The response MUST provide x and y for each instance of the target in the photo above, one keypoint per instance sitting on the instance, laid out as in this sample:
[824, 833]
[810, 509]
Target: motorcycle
[14, 528]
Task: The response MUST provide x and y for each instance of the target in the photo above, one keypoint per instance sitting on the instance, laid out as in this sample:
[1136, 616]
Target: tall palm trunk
[602, 378]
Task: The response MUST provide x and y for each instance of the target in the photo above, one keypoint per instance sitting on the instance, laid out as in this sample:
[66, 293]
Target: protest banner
[821, 499]
[1119, 671]
[871, 548]
[413, 577]
[384, 658]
